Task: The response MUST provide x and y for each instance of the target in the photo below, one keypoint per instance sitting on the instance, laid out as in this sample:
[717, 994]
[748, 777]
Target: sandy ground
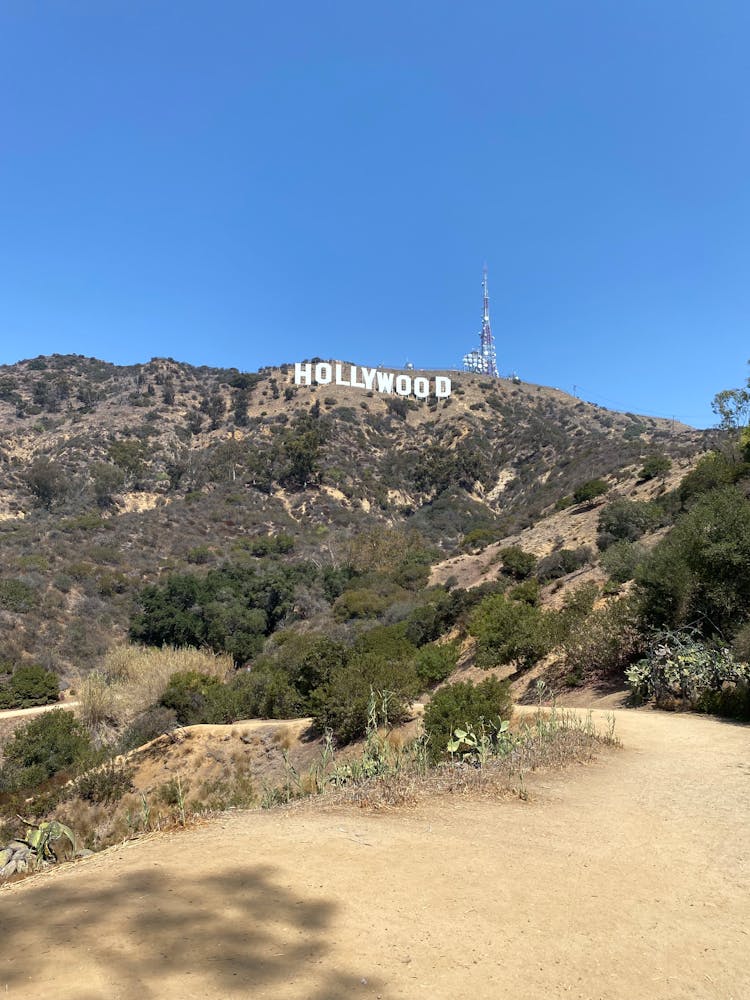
[625, 878]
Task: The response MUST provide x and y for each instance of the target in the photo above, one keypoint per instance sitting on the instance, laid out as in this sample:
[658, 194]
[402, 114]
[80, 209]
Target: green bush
[50, 743]
[265, 693]
[741, 644]
[733, 702]
[527, 591]
[714, 471]
[341, 704]
[29, 686]
[517, 563]
[434, 663]
[603, 643]
[590, 490]
[509, 631]
[106, 783]
[359, 603]
[622, 559]
[464, 705]
[655, 465]
[198, 698]
[626, 520]
[231, 609]
[700, 573]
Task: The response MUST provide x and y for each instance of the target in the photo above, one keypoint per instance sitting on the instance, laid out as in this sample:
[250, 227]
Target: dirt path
[29, 713]
[627, 878]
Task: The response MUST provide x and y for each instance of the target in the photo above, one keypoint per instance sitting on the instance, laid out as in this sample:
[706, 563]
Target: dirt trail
[629, 877]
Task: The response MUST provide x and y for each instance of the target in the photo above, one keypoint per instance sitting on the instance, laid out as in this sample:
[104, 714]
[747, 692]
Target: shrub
[33, 685]
[625, 520]
[516, 562]
[359, 603]
[732, 702]
[604, 642]
[562, 562]
[509, 631]
[147, 726]
[47, 481]
[714, 471]
[15, 595]
[198, 698]
[231, 609]
[105, 784]
[341, 704]
[621, 560]
[700, 573]
[265, 693]
[527, 591]
[590, 490]
[741, 644]
[655, 465]
[131, 679]
[464, 705]
[48, 744]
[434, 663]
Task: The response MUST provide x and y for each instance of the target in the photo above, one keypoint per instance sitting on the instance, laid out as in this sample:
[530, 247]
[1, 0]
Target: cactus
[476, 748]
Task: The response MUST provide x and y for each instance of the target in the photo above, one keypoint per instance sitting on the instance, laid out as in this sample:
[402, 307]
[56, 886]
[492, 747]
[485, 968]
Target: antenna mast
[487, 349]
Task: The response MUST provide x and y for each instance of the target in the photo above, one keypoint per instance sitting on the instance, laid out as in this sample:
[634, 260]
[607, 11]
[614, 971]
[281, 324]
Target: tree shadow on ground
[150, 933]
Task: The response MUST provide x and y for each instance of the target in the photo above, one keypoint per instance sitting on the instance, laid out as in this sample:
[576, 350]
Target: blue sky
[246, 183]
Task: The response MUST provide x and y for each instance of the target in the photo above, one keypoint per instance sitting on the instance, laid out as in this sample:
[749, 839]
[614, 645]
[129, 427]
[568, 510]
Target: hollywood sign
[323, 373]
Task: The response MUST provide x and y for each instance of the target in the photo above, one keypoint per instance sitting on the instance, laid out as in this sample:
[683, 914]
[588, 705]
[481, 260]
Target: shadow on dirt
[153, 934]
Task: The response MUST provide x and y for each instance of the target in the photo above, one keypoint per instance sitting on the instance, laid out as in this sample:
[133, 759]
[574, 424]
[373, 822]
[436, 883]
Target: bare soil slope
[626, 878]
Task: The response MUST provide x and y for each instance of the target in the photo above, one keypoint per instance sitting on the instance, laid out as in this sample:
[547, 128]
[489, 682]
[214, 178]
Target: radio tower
[483, 361]
[487, 340]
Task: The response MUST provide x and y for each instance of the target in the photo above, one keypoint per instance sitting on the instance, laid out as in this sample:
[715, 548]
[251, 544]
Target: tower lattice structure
[484, 360]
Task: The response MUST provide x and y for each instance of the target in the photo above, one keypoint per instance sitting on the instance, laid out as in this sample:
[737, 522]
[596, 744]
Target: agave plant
[41, 836]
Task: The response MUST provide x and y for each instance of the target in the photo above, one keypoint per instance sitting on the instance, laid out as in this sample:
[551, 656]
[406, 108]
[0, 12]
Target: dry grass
[131, 678]
[549, 740]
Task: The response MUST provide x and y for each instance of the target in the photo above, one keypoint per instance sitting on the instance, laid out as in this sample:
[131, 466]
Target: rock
[7, 870]
[22, 865]
[5, 856]
[18, 845]
[83, 853]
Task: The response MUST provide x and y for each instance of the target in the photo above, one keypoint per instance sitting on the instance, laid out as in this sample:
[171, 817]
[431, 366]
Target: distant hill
[114, 476]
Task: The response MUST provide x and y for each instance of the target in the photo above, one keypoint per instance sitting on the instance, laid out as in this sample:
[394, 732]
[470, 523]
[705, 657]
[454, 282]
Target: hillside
[114, 476]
